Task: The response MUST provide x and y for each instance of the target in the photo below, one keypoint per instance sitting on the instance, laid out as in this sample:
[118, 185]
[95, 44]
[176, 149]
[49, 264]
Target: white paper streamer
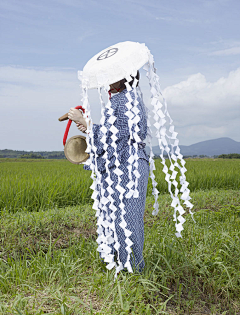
[103, 221]
[161, 134]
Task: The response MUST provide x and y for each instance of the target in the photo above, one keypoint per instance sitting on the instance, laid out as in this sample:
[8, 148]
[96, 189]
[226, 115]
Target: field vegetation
[40, 185]
[48, 258]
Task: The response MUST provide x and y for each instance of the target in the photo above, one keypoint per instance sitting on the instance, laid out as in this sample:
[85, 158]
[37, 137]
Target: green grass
[49, 263]
[40, 185]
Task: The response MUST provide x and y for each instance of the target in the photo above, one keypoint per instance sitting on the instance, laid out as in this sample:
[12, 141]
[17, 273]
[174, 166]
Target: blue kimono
[134, 207]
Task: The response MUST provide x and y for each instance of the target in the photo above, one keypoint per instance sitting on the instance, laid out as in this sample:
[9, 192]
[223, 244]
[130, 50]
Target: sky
[195, 44]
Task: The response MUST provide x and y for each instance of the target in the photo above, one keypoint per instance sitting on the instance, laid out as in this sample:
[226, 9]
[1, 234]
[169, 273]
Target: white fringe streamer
[161, 134]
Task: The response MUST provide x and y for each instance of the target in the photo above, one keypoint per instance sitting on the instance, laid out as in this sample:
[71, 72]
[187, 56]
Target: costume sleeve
[97, 137]
[97, 134]
[119, 105]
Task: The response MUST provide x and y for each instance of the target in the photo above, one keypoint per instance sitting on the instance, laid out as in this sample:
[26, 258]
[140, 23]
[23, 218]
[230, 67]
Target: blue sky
[196, 46]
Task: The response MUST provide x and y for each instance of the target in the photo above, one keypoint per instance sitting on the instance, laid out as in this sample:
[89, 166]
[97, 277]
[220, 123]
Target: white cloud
[86, 34]
[38, 77]
[165, 18]
[31, 100]
[206, 110]
[226, 52]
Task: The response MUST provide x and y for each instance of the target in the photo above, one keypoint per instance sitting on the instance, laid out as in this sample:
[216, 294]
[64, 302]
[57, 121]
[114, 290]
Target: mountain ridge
[224, 145]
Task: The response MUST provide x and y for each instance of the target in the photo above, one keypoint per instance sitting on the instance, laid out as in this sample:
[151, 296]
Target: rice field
[49, 262]
[38, 185]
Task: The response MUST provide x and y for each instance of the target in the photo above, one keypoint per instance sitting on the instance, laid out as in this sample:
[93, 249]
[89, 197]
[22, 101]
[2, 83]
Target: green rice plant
[36, 185]
[203, 174]
[31, 186]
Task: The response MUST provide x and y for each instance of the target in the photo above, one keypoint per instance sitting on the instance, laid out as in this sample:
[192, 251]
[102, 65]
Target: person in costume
[134, 207]
[117, 157]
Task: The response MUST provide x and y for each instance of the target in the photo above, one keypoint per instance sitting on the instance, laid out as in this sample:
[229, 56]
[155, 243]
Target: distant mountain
[209, 147]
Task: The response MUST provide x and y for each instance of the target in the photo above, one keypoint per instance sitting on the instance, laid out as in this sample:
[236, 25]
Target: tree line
[60, 155]
[201, 156]
[31, 155]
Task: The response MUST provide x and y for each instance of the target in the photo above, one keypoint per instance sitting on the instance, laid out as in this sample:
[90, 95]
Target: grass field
[48, 258]
[41, 185]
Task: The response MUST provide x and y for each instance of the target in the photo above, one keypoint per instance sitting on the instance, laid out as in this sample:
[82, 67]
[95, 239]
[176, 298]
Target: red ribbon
[69, 125]
[109, 92]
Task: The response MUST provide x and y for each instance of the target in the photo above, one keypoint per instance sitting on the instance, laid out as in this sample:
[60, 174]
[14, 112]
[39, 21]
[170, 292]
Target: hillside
[209, 147]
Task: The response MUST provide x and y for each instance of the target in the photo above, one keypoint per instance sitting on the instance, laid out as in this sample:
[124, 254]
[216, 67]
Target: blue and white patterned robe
[134, 207]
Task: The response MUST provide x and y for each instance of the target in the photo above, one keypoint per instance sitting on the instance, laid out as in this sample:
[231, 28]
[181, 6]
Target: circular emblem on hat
[108, 53]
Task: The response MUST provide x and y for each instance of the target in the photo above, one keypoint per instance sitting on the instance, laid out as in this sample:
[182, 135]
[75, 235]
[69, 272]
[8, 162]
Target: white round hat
[114, 64]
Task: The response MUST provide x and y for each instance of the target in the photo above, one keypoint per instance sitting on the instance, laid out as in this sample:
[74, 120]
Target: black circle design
[108, 53]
